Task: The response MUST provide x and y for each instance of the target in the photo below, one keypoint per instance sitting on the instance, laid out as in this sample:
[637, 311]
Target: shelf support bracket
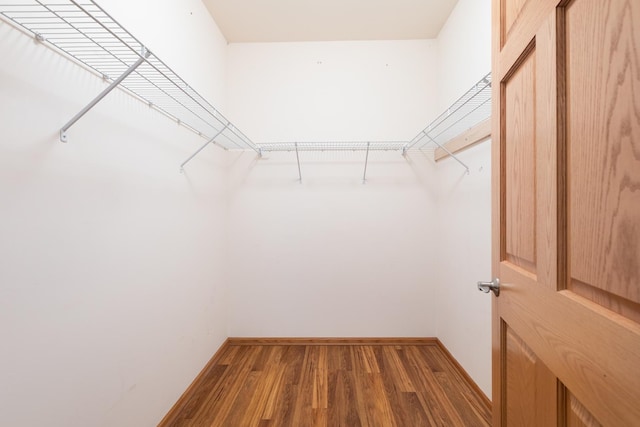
[413, 142]
[298, 159]
[211, 140]
[366, 161]
[453, 156]
[113, 85]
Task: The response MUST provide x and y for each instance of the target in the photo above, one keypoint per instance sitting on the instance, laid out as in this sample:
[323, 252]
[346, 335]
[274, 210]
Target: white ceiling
[328, 20]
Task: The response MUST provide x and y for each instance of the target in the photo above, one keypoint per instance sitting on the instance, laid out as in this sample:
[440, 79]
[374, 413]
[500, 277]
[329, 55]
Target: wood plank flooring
[332, 385]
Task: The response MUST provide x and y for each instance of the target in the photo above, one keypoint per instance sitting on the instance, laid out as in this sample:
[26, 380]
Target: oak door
[566, 222]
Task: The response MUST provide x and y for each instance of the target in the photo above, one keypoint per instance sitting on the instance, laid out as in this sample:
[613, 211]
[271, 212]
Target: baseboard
[333, 341]
[169, 419]
[464, 374]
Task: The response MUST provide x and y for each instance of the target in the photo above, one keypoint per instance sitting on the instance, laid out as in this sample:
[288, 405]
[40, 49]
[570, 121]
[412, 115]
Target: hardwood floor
[331, 385]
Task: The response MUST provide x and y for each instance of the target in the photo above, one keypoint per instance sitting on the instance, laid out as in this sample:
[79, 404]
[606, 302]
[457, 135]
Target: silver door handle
[493, 285]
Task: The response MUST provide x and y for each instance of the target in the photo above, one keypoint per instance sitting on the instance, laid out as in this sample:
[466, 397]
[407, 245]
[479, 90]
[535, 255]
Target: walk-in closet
[257, 213]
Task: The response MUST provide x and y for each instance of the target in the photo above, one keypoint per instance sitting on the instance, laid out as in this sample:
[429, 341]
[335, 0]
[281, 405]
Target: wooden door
[566, 222]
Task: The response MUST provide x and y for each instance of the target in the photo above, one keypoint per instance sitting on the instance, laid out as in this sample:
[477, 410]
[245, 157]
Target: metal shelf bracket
[473, 107]
[143, 57]
[210, 141]
[366, 161]
[298, 159]
[448, 152]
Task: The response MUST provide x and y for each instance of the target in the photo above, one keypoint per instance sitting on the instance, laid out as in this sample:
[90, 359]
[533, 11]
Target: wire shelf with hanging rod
[86, 33]
[471, 110]
[468, 115]
[334, 146]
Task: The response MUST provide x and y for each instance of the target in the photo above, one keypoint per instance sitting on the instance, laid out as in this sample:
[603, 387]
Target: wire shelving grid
[85, 32]
[467, 111]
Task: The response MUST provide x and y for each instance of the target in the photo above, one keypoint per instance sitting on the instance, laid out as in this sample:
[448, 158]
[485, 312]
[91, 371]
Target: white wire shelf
[467, 111]
[334, 146]
[85, 32]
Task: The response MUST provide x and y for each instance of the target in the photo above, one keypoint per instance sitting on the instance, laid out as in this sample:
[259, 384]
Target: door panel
[512, 9]
[566, 221]
[530, 385]
[603, 142]
[520, 185]
[523, 30]
[578, 415]
[594, 353]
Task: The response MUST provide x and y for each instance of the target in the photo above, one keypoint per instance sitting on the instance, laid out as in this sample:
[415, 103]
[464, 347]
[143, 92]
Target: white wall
[112, 263]
[464, 49]
[332, 91]
[464, 257]
[184, 36]
[331, 256]
[301, 234]
[464, 201]
[113, 267]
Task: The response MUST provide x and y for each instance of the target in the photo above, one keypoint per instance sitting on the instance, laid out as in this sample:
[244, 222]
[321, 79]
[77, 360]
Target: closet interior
[152, 248]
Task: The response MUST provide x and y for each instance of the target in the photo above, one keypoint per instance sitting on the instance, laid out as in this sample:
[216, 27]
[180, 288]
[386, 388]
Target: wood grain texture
[333, 385]
[550, 210]
[478, 133]
[199, 387]
[519, 136]
[578, 415]
[604, 147]
[531, 386]
[465, 376]
[497, 209]
[508, 51]
[586, 153]
[615, 303]
[512, 9]
[596, 355]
